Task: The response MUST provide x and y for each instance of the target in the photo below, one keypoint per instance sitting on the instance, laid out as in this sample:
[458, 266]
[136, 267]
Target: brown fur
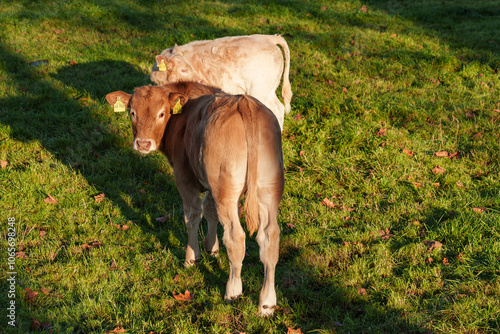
[229, 146]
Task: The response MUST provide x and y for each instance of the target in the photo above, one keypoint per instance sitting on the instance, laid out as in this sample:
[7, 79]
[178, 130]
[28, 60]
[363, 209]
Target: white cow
[250, 65]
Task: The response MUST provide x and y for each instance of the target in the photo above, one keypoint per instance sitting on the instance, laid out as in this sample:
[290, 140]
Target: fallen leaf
[142, 191]
[394, 35]
[479, 209]
[407, 152]
[118, 329]
[187, 296]
[381, 132]
[125, 227]
[430, 260]
[42, 233]
[176, 278]
[50, 199]
[497, 110]
[97, 244]
[324, 8]
[301, 153]
[437, 184]
[45, 291]
[460, 184]
[329, 81]
[385, 234]
[85, 247]
[297, 117]
[3, 164]
[363, 9]
[445, 261]
[72, 63]
[454, 155]
[417, 184]
[294, 331]
[30, 296]
[99, 198]
[21, 255]
[345, 90]
[326, 202]
[432, 244]
[362, 291]
[442, 154]
[112, 266]
[290, 226]
[58, 31]
[163, 219]
[438, 170]
[478, 135]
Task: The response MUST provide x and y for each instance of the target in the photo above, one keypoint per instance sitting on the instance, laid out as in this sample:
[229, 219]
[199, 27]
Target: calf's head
[150, 109]
[178, 68]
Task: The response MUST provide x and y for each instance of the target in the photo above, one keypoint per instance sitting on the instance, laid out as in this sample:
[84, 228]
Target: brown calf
[228, 146]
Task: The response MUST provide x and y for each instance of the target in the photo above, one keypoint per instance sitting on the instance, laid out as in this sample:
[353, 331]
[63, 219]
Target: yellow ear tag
[177, 107]
[119, 106]
[161, 66]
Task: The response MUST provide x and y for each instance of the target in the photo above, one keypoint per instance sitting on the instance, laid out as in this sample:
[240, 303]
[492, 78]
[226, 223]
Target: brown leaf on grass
[326, 202]
[120, 227]
[186, 296]
[30, 296]
[436, 184]
[38, 326]
[445, 261]
[297, 117]
[294, 331]
[329, 81]
[442, 154]
[163, 219]
[86, 247]
[45, 291]
[50, 199]
[21, 255]
[118, 329]
[96, 244]
[142, 191]
[438, 170]
[496, 110]
[324, 8]
[478, 135]
[301, 153]
[407, 152]
[394, 35]
[479, 209]
[454, 155]
[460, 184]
[430, 260]
[3, 164]
[112, 266]
[363, 9]
[432, 244]
[347, 243]
[468, 114]
[57, 31]
[42, 233]
[290, 225]
[417, 184]
[382, 132]
[385, 234]
[72, 63]
[99, 198]
[362, 291]
[176, 278]
[345, 90]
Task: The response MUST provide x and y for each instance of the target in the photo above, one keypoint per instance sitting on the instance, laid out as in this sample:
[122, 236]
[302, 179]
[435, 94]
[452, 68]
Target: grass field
[390, 220]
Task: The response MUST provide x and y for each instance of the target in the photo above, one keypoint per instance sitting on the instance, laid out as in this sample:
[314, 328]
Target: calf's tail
[286, 88]
[252, 136]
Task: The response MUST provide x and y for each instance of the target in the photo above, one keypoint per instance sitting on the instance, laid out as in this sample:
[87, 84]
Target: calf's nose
[143, 145]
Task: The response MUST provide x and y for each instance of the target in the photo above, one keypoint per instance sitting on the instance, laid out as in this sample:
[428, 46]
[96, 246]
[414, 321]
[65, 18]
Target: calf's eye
[161, 115]
[132, 114]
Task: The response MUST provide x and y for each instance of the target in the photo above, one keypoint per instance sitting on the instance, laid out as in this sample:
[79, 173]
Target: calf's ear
[112, 97]
[176, 99]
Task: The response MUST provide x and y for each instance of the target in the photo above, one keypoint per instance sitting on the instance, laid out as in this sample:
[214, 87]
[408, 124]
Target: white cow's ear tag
[119, 106]
[177, 107]
[161, 66]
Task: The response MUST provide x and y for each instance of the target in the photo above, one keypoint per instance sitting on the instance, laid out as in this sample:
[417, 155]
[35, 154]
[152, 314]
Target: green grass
[418, 75]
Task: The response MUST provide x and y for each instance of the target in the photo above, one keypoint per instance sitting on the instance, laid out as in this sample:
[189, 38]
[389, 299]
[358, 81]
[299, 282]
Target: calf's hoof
[266, 310]
[189, 263]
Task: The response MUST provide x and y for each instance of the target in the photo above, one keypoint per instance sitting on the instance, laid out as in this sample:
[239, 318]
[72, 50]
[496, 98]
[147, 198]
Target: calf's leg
[192, 216]
[268, 239]
[234, 240]
[210, 213]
